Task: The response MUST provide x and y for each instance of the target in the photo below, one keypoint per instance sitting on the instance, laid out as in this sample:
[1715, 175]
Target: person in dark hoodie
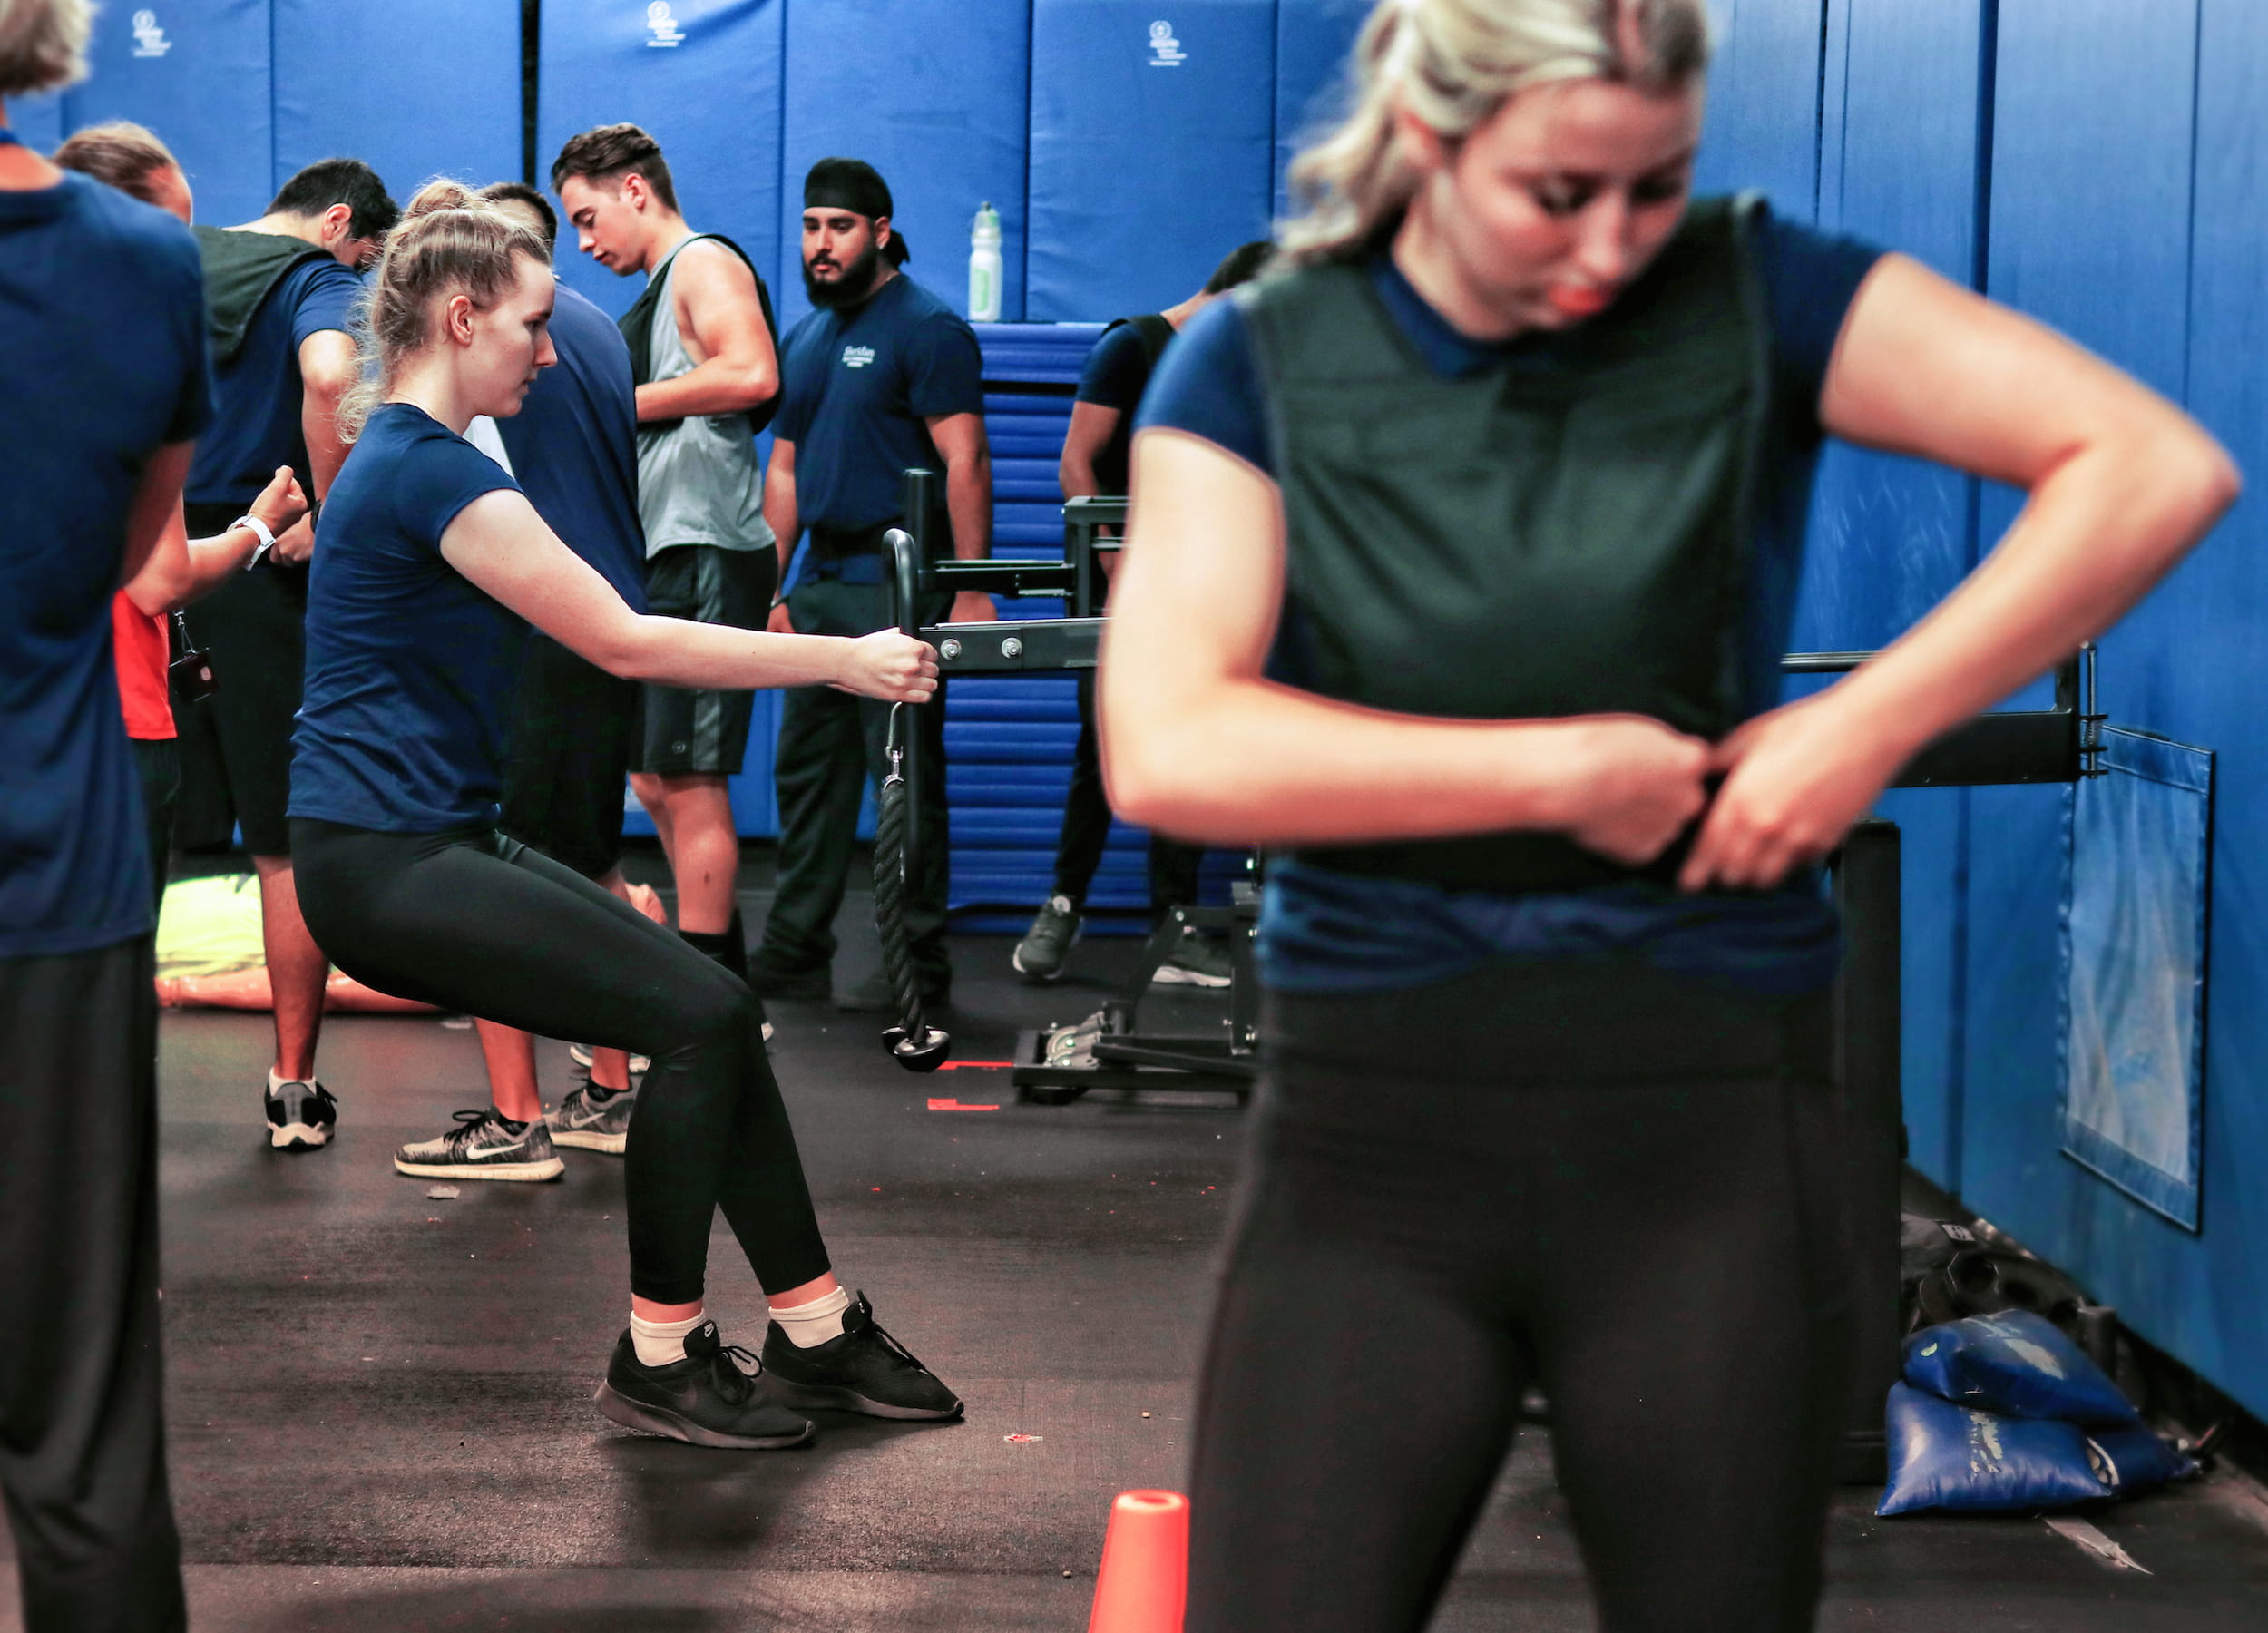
[279, 294]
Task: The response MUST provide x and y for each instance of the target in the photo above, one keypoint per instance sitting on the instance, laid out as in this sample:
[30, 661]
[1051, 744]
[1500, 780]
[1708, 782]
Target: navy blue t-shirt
[102, 362]
[1115, 375]
[258, 428]
[574, 446]
[411, 670]
[856, 387]
[1323, 931]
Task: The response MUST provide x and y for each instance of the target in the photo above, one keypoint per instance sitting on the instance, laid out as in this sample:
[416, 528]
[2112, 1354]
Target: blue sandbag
[1949, 1457]
[2139, 1458]
[2017, 1363]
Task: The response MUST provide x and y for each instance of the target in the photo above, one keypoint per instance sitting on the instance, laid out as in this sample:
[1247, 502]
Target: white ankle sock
[275, 1083]
[809, 1325]
[659, 1343]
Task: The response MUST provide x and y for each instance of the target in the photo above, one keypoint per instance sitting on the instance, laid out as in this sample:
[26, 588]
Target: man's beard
[854, 286]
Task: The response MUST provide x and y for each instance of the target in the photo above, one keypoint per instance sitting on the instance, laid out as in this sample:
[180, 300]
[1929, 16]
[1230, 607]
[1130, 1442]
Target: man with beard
[882, 376]
[702, 352]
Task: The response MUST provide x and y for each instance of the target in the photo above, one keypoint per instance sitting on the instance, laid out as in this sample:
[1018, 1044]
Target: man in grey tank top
[701, 341]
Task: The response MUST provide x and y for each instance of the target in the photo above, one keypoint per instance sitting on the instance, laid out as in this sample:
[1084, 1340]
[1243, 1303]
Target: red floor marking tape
[977, 1065]
[955, 1105]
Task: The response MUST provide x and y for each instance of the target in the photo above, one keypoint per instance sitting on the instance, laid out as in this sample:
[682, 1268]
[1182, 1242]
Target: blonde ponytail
[448, 242]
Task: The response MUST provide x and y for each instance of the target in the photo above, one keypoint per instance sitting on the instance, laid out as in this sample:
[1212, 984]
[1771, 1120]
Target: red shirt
[141, 651]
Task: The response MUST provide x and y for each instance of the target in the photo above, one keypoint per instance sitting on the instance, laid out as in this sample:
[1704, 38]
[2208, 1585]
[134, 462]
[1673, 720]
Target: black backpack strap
[1155, 331]
[636, 324]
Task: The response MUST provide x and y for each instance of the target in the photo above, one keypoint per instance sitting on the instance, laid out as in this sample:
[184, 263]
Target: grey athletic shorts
[703, 731]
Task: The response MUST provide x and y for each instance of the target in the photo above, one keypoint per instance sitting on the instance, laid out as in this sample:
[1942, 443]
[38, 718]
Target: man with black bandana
[882, 376]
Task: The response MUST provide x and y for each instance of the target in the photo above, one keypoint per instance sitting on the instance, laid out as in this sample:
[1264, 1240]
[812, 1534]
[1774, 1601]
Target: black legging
[1617, 1183]
[472, 921]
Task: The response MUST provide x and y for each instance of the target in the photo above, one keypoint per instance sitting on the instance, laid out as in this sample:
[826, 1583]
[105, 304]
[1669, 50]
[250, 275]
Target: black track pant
[1609, 1180]
[1173, 866]
[81, 1421]
[475, 922]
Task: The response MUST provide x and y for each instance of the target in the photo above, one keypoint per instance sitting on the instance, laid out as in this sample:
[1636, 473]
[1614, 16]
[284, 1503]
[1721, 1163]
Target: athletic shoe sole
[1016, 958]
[611, 1144]
[298, 1137]
[809, 1397]
[1182, 975]
[656, 1419]
[551, 1167]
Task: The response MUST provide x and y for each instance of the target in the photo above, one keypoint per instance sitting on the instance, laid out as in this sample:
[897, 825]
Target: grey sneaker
[1198, 961]
[603, 1127]
[302, 1117]
[580, 1054]
[481, 1148]
[1047, 946]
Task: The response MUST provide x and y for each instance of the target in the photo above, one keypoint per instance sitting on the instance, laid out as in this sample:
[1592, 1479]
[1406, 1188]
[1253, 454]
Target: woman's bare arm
[2121, 485]
[1196, 741]
[502, 545]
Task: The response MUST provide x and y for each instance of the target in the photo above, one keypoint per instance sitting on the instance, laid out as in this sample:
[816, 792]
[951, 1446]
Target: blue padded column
[199, 77]
[36, 121]
[704, 79]
[1763, 129]
[1314, 40]
[414, 88]
[938, 98]
[2092, 165]
[1152, 149]
[1891, 537]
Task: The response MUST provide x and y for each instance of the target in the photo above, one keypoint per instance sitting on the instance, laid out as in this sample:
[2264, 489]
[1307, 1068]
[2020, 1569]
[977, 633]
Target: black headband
[849, 185]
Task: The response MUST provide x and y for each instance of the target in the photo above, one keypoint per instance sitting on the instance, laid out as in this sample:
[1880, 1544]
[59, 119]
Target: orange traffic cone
[1144, 1581]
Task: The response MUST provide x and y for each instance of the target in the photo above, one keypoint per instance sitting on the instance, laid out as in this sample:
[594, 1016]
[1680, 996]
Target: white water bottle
[984, 267]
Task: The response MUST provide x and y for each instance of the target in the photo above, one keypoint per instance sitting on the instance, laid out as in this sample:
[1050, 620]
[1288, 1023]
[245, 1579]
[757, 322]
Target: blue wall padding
[1314, 43]
[705, 83]
[200, 79]
[1763, 122]
[2092, 228]
[1949, 1457]
[414, 88]
[36, 120]
[1890, 536]
[2135, 952]
[1008, 741]
[1151, 157]
[932, 96]
[2017, 1363]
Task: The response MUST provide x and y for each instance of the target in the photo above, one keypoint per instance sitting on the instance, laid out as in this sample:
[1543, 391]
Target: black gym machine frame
[2060, 744]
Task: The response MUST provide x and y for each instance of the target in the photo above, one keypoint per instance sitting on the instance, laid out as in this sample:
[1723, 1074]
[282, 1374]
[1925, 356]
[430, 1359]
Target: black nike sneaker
[705, 1400]
[864, 1370]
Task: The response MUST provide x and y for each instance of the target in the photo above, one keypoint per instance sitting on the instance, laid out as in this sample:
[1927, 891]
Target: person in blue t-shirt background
[103, 386]
[881, 376]
[432, 559]
[1110, 387]
[1463, 556]
[279, 296]
[574, 450]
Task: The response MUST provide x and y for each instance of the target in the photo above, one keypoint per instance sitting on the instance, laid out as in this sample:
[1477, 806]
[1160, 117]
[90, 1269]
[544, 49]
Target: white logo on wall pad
[857, 356]
[150, 40]
[663, 22]
[1166, 50]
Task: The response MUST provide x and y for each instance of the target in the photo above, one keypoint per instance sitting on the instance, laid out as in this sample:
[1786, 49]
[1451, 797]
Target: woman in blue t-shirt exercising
[1463, 556]
[431, 558]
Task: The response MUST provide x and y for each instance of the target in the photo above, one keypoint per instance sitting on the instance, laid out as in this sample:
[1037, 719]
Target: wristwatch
[267, 538]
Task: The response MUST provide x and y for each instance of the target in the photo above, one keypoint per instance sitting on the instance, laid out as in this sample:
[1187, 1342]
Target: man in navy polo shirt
[881, 376]
[104, 384]
[278, 298]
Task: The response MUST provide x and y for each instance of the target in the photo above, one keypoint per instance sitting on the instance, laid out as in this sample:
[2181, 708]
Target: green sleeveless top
[1518, 542]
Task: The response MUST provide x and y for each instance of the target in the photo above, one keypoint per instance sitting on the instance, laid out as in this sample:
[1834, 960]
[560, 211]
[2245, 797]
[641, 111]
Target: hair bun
[438, 194]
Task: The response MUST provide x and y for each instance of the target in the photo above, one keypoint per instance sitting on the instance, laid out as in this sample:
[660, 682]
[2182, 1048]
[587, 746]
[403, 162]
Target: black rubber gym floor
[380, 1400]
